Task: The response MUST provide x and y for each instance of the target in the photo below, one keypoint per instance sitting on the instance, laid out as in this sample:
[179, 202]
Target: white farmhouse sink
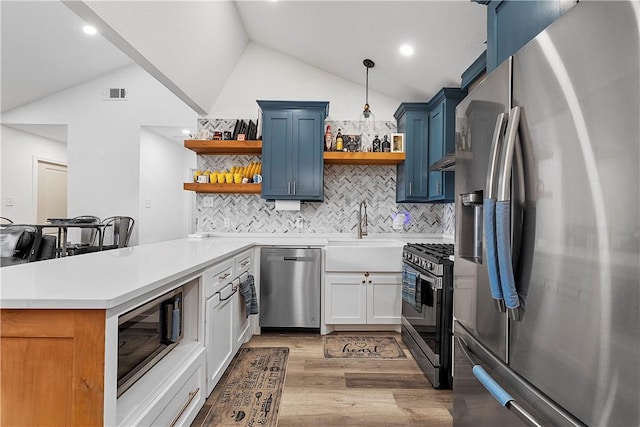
[358, 255]
[365, 242]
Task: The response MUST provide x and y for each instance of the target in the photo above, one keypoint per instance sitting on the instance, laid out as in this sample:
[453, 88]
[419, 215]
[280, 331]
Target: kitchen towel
[411, 292]
[248, 291]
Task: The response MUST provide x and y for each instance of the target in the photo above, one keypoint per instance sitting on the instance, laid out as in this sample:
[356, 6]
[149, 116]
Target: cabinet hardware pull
[369, 281]
[244, 263]
[224, 276]
[410, 189]
[185, 406]
[294, 188]
[289, 188]
[366, 274]
[363, 281]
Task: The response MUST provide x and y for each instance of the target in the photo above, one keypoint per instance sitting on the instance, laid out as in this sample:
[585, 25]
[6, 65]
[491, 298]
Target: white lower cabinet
[172, 395]
[363, 298]
[186, 402]
[219, 339]
[240, 321]
[244, 264]
[226, 326]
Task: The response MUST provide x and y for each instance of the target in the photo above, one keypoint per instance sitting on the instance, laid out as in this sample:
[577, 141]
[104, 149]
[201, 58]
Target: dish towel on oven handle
[411, 292]
[248, 292]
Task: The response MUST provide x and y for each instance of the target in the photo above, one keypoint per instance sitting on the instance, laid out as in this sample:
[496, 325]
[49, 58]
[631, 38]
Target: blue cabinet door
[292, 150]
[276, 154]
[307, 153]
[442, 136]
[436, 138]
[412, 178]
[511, 24]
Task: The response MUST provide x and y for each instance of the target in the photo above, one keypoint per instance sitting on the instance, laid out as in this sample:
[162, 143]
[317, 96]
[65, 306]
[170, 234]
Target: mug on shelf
[220, 178]
[203, 179]
[229, 177]
[257, 178]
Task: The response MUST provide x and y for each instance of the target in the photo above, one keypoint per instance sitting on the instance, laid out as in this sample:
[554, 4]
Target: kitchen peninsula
[68, 309]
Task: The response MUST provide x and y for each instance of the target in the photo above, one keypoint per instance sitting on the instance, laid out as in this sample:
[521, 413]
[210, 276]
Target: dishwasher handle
[297, 258]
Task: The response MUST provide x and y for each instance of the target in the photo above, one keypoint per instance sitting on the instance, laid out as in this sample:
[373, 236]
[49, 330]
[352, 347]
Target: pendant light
[367, 118]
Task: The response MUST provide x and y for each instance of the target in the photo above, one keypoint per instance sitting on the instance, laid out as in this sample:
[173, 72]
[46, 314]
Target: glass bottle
[386, 145]
[377, 148]
[339, 141]
[328, 139]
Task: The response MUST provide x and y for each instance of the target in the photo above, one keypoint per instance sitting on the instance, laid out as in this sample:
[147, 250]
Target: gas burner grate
[437, 250]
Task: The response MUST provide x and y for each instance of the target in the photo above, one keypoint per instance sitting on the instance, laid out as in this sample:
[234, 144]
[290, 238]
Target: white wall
[263, 73]
[164, 206]
[104, 137]
[17, 152]
[194, 45]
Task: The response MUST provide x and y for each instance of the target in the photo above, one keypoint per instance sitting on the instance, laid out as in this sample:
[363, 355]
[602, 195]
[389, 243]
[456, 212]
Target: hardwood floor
[350, 392]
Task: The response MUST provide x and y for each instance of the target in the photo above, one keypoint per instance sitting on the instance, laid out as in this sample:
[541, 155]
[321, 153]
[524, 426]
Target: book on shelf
[251, 130]
[234, 135]
[243, 129]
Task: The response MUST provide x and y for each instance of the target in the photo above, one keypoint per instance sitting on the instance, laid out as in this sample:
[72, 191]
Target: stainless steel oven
[146, 334]
[427, 309]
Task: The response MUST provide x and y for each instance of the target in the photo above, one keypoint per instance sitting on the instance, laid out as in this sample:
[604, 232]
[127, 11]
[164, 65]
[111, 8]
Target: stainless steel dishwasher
[290, 287]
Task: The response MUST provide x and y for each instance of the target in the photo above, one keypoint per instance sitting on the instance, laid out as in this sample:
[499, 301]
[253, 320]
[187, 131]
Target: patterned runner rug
[253, 388]
[362, 347]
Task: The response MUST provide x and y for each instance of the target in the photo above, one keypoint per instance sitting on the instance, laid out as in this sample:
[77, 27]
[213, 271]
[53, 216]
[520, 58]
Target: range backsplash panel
[345, 186]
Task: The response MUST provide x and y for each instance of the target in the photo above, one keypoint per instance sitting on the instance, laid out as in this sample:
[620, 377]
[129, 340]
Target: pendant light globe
[367, 118]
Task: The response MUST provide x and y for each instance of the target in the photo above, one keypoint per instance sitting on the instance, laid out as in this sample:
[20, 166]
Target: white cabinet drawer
[218, 275]
[244, 262]
[180, 408]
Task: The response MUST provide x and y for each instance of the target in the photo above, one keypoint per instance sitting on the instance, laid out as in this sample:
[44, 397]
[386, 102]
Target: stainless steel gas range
[427, 308]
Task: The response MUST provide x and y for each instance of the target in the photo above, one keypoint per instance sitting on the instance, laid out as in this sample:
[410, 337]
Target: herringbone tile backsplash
[345, 186]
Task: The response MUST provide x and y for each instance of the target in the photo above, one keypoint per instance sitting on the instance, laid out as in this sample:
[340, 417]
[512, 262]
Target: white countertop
[107, 279]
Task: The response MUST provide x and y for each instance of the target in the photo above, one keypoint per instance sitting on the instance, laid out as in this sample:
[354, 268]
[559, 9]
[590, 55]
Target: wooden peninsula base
[52, 367]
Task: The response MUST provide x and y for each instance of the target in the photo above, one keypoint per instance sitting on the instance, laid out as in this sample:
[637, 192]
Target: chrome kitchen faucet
[362, 220]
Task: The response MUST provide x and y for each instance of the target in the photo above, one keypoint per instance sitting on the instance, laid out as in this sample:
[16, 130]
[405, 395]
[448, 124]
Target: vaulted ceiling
[192, 47]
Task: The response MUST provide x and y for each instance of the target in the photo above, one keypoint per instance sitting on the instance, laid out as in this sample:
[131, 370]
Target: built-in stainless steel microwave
[146, 334]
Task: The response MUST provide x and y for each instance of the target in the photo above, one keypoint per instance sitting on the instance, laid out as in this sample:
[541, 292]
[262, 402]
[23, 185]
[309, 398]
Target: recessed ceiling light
[88, 29]
[406, 50]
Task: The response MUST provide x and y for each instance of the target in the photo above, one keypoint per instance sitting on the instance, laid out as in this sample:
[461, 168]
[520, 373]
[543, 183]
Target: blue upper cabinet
[442, 114]
[292, 149]
[412, 179]
[512, 23]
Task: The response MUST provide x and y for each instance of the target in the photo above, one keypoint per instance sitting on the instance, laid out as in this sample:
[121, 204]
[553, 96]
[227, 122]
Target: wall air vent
[115, 94]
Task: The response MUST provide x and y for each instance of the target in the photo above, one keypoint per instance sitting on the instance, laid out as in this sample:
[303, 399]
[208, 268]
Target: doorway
[52, 191]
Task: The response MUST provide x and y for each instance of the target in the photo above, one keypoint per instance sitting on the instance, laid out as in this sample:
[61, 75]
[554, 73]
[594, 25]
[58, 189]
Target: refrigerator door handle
[490, 216]
[496, 148]
[503, 218]
[500, 394]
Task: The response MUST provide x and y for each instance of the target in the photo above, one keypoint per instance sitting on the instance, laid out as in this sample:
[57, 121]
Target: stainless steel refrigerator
[547, 269]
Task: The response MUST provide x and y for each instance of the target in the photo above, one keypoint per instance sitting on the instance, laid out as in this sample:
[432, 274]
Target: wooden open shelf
[362, 158]
[223, 188]
[224, 147]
